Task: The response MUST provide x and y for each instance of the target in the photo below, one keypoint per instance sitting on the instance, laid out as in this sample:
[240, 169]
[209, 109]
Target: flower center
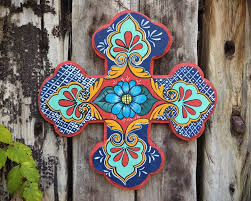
[126, 99]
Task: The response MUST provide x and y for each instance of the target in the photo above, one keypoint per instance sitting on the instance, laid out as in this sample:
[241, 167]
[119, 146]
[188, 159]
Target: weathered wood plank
[29, 53]
[87, 16]
[226, 56]
[177, 181]
[167, 185]
[55, 145]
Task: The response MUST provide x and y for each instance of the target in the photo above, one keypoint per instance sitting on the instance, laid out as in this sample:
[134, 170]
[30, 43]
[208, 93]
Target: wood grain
[226, 56]
[29, 52]
[87, 16]
[177, 181]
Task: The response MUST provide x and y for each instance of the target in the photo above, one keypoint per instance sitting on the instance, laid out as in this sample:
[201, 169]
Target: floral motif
[126, 99]
[125, 151]
[129, 43]
[191, 103]
[128, 47]
[72, 101]
[129, 39]
[184, 102]
[66, 102]
[124, 158]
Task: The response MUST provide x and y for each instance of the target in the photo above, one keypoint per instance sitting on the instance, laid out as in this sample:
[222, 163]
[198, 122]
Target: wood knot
[238, 125]
[38, 128]
[229, 48]
[231, 189]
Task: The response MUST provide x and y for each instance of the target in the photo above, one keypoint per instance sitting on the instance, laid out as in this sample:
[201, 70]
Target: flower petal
[136, 90]
[132, 114]
[120, 115]
[118, 156]
[70, 110]
[68, 95]
[132, 83]
[134, 155]
[125, 159]
[112, 98]
[66, 103]
[114, 150]
[118, 90]
[135, 107]
[139, 99]
[117, 108]
[77, 112]
[126, 111]
[120, 83]
[125, 87]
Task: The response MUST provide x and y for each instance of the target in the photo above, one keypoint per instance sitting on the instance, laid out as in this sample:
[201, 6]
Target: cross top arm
[131, 39]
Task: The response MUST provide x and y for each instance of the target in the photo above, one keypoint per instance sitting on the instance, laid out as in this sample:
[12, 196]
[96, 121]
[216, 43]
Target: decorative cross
[128, 99]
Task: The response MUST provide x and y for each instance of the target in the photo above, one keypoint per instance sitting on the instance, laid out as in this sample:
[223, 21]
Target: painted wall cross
[128, 99]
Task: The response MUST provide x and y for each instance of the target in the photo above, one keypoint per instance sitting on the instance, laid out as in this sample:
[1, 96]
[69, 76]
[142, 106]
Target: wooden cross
[128, 99]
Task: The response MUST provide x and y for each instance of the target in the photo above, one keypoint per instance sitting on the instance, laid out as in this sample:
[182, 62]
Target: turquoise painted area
[120, 169]
[54, 102]
[129, 25]
[180, 103]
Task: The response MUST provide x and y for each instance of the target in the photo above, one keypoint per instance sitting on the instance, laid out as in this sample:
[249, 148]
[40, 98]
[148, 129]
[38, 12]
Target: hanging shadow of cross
[128, 99]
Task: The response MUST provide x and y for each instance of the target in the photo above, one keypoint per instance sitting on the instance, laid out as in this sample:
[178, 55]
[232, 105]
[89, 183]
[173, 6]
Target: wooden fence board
[29, 53]
[226, 159]
[87, 16]
[177, 181]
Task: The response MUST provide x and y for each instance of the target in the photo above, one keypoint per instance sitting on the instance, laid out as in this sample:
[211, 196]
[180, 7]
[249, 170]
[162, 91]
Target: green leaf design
[101, 102]
[147, 106]
[31, 192]
[14, 179]
[20, 153]
[30, 172]
[5, 135]
[3, 158]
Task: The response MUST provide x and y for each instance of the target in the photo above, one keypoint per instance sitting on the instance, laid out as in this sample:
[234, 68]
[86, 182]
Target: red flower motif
[123, 152]
[187, 104]
[70, 101]
[129, 43]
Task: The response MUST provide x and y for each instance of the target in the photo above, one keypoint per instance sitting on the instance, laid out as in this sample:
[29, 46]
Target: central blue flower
[127, 99]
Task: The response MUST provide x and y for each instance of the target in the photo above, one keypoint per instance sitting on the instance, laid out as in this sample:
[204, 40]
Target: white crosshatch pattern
[66, 74]
[189, 75]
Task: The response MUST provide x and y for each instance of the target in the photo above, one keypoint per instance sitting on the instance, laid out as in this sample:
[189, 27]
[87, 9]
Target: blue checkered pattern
[189, 75]
[65, 75]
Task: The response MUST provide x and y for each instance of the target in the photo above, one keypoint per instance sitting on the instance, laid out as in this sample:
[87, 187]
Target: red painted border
[174, 69]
